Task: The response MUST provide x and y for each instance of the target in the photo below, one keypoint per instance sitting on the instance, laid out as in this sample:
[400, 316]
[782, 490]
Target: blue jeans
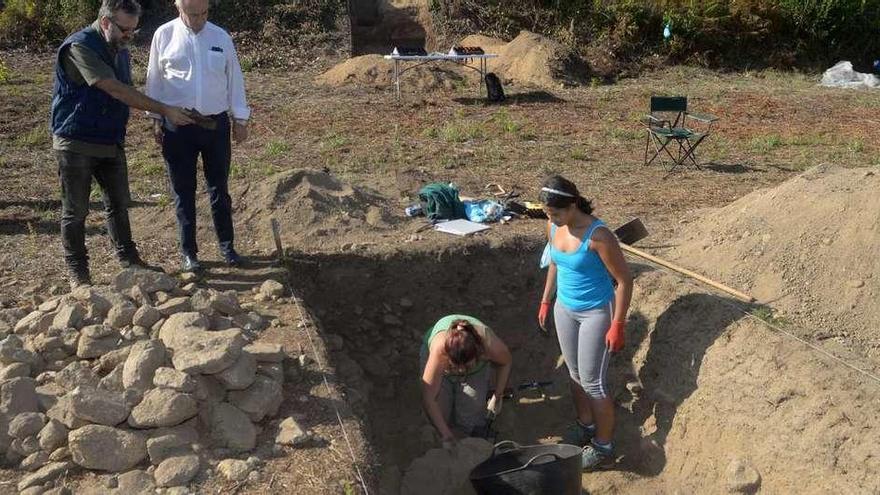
[76, 172]
[181, 149]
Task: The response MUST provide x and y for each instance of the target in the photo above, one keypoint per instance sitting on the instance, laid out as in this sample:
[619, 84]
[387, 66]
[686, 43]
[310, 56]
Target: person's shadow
[668, 377]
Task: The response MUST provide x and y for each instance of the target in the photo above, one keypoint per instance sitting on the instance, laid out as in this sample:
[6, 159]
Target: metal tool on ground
[634, 230]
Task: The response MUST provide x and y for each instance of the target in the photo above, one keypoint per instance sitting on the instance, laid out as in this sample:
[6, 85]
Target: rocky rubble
[138, 374]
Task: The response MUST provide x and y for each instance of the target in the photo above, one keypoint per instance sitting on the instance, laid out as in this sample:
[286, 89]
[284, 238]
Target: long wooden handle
[685, 271]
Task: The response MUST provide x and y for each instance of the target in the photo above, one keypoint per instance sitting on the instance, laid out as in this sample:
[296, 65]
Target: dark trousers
[76, 172]
[181, 149]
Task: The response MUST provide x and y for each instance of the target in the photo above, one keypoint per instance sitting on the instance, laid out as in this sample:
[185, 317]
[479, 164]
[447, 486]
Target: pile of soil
[807, 248]
[310, 204]
[375, 71]
[529, 60]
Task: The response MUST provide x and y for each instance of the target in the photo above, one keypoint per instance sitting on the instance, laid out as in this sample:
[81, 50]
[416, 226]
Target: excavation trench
[696, 398]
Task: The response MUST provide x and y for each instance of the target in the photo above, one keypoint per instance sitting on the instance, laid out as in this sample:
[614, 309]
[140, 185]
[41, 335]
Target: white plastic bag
[842, 75]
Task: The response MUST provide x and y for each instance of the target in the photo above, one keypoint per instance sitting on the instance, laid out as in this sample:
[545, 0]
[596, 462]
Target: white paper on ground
[460, 227]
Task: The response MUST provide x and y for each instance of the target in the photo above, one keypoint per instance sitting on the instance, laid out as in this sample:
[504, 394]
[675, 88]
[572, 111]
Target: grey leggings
[582, 340]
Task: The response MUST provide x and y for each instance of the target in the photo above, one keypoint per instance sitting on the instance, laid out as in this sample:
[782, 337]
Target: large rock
[742, 477]
[49, 472]
[262, 398]
[120, 315]
[291, 433]
[18, 395]
[35, 461]
[173, 379]
[175, 305]
[62, 412]
[53, 436]
[175, 329]
[200, 300]
[145, 357]
[99, 406]
[163, 407]
[272, 288]
[34, 322]
[12, 351]
[148, 280]
[234, 469]
[241, 374]
[24, 446]
[177, 441]
[274, 371]
[69, 315]
[135, 482]
[146, 316]
[225, 303]
[201, 351]
[26, 424]
[230, 427]
[15, 370]
[250, 321]
[266, 352]
[176, 471]
[97, 340]
[77, 374]
[48, 395]
[112, 359]
[106, 449]
[97, 304]
[209, 389]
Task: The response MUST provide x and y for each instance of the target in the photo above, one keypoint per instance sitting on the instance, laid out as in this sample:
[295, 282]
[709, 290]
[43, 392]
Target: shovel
[634, 231]
[631, 232]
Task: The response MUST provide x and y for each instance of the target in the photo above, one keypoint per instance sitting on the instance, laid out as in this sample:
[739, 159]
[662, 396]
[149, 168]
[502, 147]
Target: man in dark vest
[90, 108]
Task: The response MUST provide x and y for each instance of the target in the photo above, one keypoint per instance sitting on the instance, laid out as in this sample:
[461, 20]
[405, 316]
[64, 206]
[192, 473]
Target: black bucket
[529, 470]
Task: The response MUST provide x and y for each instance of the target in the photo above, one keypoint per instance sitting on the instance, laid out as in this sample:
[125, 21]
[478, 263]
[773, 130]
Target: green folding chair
[669, 124]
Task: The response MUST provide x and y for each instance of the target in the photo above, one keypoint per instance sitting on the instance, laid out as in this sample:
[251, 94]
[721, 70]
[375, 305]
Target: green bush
[43, 22]
[713, 32]
[46, 22]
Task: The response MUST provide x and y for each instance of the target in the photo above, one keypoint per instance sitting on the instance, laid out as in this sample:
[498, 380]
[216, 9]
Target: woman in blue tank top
[589, 312]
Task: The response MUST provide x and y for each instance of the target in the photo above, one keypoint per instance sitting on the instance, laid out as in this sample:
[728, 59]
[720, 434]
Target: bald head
[193, 13]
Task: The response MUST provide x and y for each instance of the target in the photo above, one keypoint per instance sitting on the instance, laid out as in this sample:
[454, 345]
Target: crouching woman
[457, 356]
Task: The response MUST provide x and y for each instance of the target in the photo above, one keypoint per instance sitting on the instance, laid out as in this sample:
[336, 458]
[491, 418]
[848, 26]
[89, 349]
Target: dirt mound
[487, 43]
[807, 247]
[375, 71]
[706, 410]
[530, 60]
[310, 203]
[537, 60]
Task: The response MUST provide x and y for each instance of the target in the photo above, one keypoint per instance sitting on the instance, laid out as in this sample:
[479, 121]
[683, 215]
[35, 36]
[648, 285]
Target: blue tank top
[582, 281]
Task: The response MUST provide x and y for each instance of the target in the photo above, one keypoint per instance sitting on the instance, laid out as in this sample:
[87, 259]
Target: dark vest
[83, 112]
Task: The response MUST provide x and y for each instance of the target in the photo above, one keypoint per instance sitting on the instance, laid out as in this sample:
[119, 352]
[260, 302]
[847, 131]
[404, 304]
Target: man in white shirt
[193, 64]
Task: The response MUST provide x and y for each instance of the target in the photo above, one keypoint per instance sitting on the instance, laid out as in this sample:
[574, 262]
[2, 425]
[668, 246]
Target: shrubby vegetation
[722, 33]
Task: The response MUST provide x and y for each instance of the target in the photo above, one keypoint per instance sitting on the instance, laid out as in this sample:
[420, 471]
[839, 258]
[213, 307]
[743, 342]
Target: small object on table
[409, 51]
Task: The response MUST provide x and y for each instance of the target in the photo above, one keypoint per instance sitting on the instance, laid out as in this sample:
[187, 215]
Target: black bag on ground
[494, 90]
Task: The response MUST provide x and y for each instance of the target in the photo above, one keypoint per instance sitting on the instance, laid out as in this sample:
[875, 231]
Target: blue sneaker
[594, 458]
[578, 434]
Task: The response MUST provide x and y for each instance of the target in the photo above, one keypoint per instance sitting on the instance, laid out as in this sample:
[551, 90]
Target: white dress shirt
[196, 70]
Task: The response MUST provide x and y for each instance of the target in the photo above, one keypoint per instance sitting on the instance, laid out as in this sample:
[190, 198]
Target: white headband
[558, 192]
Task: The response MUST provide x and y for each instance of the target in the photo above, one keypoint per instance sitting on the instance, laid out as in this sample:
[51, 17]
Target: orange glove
[542, 314]
[614, 337]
